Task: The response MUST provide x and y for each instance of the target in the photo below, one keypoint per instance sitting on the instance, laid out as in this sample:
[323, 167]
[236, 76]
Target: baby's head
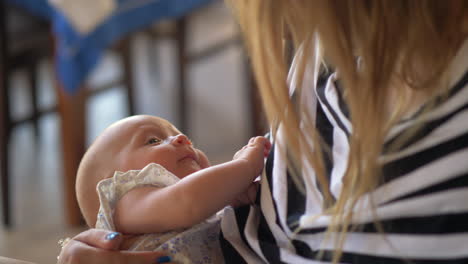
[131, 144]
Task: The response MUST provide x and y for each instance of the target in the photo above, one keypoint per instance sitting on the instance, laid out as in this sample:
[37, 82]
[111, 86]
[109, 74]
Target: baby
[152, 182]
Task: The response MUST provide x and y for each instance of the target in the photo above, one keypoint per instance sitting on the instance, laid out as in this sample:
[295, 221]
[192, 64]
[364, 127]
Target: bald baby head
[104, 157]
[131, 144]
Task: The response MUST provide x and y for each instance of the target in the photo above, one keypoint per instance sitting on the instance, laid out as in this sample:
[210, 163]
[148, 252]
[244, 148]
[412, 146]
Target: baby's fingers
[258, 140]
[264, 142]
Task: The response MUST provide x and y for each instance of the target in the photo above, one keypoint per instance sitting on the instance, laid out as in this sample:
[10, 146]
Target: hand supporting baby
[97, 246]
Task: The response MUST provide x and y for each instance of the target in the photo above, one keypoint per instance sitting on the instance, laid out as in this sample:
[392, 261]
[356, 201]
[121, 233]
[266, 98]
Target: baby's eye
[154, 141]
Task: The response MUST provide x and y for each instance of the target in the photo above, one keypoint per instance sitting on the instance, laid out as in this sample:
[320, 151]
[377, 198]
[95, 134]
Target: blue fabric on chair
[36, 7]
[78, 54]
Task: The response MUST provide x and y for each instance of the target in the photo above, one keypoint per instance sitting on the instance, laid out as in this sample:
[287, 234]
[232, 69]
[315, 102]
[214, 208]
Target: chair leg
[4, 119]
[6, 209]
[128, 75]
[32, 78]
[181, 29]
[73, 134]
[4, 148]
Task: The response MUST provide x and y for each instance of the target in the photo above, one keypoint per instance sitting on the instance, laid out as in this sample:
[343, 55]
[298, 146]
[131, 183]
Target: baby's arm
[193, 198]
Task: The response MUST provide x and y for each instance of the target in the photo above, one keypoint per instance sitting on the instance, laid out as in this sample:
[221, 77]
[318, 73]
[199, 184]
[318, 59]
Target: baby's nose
[181, 139]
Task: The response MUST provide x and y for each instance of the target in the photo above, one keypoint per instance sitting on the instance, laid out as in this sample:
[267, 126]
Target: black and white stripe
[422, 204]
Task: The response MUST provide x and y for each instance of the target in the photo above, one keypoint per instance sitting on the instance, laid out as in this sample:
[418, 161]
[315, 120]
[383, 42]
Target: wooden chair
[72, 108]
[24, 41]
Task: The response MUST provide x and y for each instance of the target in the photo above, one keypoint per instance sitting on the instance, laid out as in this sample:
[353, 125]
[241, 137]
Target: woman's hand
[96, 246]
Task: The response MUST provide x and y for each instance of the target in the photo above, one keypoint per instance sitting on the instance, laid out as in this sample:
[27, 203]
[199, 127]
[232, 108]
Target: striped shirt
[422, 203]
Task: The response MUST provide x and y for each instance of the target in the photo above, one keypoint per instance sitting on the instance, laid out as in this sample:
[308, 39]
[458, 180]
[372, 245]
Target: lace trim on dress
[111, 190]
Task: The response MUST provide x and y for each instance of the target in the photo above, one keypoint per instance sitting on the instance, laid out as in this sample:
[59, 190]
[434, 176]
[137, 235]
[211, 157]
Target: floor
[219, 124]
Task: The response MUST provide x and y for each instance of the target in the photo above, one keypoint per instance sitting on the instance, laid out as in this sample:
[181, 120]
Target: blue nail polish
[164, 259]
[112, 236]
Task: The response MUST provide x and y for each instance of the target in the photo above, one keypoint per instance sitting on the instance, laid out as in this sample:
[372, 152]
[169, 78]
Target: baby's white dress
[198, 244]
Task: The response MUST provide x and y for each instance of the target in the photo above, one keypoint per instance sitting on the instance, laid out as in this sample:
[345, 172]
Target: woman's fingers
[77, 252]
[128, 257]
[100, 239]
[100, 246]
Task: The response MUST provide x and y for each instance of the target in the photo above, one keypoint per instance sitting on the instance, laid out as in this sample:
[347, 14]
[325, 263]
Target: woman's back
[384, 139]
[421, 203]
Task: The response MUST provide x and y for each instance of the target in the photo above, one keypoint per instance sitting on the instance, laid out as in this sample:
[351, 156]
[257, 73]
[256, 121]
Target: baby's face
[155, 140]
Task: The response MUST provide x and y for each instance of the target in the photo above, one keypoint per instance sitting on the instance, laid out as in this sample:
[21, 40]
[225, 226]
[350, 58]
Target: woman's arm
[194, 198]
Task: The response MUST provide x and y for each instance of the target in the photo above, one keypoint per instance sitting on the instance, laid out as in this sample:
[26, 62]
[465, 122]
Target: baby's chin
[188, 172]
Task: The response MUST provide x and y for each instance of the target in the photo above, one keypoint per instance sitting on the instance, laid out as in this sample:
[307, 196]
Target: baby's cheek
[203, 160]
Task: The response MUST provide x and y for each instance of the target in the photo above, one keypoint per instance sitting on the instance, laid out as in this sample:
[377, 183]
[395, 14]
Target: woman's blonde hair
[405, 47]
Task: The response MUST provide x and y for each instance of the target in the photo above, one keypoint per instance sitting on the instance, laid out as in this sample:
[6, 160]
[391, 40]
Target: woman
[369, 163]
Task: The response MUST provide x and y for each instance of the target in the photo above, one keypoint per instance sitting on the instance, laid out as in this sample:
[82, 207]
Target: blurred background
[221, 110]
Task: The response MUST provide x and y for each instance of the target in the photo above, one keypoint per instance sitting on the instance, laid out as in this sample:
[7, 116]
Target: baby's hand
[254, 153]
[247, 197]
